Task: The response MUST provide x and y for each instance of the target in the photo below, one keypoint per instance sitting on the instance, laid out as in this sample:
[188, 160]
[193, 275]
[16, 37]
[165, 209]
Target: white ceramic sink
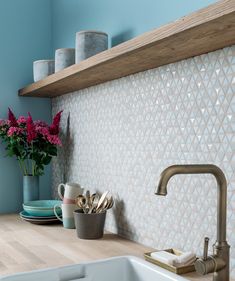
[125, 268]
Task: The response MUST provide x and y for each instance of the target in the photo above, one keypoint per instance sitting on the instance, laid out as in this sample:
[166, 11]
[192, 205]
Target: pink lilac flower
[31, 133]
[44, 131]
[7, 122]
[53, 139]
[40, 123]
[55, 126]
[12, 118]
[14, 131]
[22, 120]
[2, 122]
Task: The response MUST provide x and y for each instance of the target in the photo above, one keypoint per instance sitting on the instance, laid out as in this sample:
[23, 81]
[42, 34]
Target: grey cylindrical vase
[89, 226]
[90, 43]
[42, 69]
[30, 188]
[64, 58]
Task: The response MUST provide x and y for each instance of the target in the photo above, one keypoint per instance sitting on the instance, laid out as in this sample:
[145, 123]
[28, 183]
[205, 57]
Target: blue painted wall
[33, 29]
[25, 36]
[121, 19]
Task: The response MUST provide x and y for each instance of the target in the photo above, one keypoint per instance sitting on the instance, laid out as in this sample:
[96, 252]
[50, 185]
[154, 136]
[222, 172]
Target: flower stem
[33, 170]
[25, 168]
[22, 167]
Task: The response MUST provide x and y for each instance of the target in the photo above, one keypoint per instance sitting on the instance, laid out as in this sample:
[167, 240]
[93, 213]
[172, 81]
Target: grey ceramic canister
[90, 43]
[89, 226]
[42, 69]
[63, 58]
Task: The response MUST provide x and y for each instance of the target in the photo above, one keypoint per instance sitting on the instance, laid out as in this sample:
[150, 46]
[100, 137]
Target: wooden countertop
[26, 247]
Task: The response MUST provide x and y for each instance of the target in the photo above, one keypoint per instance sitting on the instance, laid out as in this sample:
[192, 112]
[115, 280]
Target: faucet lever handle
[205, 251]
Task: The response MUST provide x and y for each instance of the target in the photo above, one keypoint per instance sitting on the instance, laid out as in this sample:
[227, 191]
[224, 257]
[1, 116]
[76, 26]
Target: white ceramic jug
[71, 192]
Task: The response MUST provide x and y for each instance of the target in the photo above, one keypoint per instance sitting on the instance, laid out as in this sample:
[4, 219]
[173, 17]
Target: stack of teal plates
[41, 211]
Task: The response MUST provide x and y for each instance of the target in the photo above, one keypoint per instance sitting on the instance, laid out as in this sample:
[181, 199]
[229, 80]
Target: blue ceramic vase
[30, 188]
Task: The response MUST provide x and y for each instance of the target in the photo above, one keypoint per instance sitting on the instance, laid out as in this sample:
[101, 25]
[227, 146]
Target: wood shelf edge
[149, 50]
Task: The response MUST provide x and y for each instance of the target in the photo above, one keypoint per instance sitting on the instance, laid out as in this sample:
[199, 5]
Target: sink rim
[132, 259]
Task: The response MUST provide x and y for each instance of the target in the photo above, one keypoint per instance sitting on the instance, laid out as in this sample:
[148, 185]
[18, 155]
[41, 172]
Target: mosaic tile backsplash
[121, 134]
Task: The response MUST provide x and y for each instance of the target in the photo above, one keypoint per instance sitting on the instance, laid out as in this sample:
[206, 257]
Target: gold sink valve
[208, 264]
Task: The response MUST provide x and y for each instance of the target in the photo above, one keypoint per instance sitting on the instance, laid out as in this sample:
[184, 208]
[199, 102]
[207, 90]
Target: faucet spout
[221, 248]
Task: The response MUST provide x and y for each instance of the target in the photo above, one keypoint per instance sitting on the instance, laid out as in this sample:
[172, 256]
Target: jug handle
[59, 190]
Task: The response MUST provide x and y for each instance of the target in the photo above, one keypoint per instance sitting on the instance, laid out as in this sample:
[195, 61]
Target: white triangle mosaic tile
[121, 134]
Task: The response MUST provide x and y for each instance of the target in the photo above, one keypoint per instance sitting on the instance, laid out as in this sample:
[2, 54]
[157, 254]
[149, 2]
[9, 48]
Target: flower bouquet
[33, 143]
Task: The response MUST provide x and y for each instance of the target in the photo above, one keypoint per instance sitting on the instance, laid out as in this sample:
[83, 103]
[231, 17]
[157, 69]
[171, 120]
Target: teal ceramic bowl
[42, 208]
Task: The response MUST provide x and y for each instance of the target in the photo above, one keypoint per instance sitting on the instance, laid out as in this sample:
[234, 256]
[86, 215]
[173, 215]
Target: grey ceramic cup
[42, 69]
[90, 43]
[89, 226]
[63, 58]
[67, 214]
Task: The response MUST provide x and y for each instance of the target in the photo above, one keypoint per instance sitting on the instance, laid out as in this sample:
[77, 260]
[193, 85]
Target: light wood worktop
[26, 247]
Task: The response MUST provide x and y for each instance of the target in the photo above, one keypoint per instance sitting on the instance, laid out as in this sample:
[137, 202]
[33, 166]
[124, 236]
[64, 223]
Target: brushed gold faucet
[218, 263]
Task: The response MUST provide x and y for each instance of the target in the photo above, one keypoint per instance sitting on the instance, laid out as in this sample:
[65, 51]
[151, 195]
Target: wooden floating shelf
[204, 31]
